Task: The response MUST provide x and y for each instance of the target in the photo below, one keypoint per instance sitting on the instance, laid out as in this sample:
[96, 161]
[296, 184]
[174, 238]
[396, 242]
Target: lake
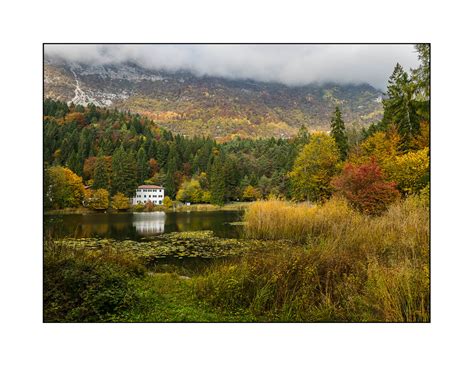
[136, 225]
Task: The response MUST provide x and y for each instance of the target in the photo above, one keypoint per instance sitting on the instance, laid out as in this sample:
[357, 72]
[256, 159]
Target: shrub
[365, 188]
[80, 286]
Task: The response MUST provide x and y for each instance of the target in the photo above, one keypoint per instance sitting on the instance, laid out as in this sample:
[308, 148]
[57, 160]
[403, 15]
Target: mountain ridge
[205, 105]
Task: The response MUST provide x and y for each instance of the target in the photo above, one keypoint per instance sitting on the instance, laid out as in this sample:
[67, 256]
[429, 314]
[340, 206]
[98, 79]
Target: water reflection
[149, 223]
[134, 226]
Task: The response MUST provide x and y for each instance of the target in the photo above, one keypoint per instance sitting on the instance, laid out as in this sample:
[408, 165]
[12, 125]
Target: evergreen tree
[338, 132]
[123, 173]
[217, 181]
[171, 185]
[142, 166]
[101, 174]
[400, 107]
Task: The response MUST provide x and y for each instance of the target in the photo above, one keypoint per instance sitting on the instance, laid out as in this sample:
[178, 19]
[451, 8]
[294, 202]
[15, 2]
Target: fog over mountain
[292, 65]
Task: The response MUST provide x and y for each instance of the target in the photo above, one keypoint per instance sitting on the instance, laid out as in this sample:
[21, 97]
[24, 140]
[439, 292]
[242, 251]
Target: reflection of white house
[145, 193]
[149, 223]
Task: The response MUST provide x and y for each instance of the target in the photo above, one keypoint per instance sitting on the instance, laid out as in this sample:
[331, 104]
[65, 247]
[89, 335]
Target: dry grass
[351, 267]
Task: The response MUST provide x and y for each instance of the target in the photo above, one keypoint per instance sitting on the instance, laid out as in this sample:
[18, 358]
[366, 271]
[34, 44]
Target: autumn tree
[314, 167]
[99, 199]
[365, 187]
[190, 191]
[120, 202]
[250, 193]
[410, 171]
[338, 133]
[63, 188]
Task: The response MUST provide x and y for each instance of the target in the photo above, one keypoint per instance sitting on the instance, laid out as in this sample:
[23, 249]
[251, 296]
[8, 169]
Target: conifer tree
[338, 132]
[123, 172]
[217, 181]
[101, 174]
[142, 166]
[171, 169]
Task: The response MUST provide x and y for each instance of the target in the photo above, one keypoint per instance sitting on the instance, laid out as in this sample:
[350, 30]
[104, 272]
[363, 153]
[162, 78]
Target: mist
[292, 65]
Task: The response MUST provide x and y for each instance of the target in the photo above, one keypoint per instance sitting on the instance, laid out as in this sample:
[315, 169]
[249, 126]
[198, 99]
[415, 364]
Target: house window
[160, 202]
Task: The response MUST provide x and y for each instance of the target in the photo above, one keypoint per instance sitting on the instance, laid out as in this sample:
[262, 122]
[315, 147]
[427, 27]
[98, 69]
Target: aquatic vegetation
[192, 244]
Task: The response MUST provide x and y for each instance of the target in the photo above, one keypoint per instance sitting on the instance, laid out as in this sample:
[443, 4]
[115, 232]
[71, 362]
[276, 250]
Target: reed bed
[340, 266]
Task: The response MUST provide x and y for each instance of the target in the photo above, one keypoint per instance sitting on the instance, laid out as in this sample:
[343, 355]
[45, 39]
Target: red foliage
[365, 188]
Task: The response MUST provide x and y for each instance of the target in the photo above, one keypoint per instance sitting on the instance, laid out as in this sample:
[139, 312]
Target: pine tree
[142, 166]
[399, 107]
[123, 172]
[217, 181]
[101, 174]
[171, 185]
[338, 132]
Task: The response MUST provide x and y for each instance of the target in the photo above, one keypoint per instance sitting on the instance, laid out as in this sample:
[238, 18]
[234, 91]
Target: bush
[365, 188]
[80, 286]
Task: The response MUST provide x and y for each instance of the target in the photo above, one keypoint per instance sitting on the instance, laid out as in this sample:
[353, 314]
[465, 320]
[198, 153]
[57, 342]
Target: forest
[115, 151]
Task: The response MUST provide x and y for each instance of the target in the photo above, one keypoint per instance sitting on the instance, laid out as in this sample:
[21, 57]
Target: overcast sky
[288, 64]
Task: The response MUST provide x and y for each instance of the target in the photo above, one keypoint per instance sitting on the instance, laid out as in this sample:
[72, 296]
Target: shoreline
[231, 206]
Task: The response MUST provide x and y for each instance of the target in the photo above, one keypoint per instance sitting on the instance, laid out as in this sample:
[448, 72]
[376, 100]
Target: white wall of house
[143, 195]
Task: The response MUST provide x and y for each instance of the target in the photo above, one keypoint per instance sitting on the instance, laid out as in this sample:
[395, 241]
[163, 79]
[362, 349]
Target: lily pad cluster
[193, 244]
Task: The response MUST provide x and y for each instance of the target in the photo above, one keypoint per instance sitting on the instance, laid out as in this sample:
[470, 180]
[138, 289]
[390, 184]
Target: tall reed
[343, 266]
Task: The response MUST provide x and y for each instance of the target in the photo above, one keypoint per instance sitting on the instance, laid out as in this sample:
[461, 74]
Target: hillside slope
[217, 107]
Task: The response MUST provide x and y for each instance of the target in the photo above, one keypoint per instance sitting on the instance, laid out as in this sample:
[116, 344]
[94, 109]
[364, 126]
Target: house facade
[152, 193]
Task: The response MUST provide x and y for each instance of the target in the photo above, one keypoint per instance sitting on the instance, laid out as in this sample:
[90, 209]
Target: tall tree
[218, 181]
[142, 166]
[171, 185]
[314, 167]
[400, 106]
[101, 174]
[338, 132]
[123, 173]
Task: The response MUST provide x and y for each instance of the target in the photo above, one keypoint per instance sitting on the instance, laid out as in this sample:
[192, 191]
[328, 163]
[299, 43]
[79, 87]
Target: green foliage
[102, 173]
[338, 133]
[314, 167]
[82, 287]
[123, 172]
[142, 166]
[62, 188]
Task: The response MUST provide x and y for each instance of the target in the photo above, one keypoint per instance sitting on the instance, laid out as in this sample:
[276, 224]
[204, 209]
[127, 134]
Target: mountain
[217, 107]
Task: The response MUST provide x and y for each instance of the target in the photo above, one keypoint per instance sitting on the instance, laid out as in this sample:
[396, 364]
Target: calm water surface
[141, 224]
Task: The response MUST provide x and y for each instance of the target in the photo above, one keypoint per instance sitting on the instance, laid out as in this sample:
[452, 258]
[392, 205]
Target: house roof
[150, 186]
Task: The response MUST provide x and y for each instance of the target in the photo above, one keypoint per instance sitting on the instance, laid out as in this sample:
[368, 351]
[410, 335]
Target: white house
[145, 193]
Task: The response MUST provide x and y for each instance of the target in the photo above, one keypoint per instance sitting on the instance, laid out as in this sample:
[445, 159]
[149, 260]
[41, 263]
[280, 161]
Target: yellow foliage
[409, 171]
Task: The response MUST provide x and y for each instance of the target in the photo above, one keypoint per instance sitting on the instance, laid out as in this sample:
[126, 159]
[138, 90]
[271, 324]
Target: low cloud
[287, 64]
